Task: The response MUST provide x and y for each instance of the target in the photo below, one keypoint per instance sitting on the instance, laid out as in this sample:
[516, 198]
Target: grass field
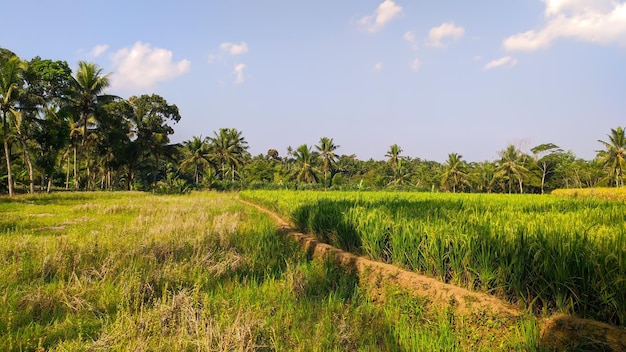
[544, 253]
[200, 272]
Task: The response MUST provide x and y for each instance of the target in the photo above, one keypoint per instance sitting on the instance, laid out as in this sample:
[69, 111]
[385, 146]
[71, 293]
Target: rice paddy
[202, 272]
[545, 254]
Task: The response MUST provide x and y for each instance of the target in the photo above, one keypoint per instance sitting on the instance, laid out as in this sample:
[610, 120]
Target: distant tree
[151, 126]
[326, 149]
[545, 160]
[454, 174]
[511, 167]
[273, 154]
[85, 97]
[196, 153]
[306, 171]
[11, 72]
[393, 154]
[228, 148]
[484, 178]
[613, 157]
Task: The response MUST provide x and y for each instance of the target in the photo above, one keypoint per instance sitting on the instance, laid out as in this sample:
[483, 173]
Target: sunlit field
[545, 254]
[203, 272]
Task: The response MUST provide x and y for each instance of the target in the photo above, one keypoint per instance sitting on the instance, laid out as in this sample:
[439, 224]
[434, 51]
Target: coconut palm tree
[484, 176]
[454, 174]
[613, 157]
[305, 168]
[326, 149]
[228, 148]
[511, 167]
[86, 95]
[11, 73]
[394, 154]
[196, 151]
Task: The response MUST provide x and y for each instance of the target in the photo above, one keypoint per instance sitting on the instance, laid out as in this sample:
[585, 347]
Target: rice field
[201, 272]
[546, 254]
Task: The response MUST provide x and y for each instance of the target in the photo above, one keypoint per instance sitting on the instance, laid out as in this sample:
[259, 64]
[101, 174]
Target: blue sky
[434, 77]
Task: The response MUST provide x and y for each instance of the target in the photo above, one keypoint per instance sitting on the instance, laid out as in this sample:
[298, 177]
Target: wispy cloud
[234, 49]
[239, 73]
[385, 12]
[506, 61]
[438, 35]
[593, 21]
[409, 37]
[415, 65]
[98, 50]
[378, 67]
[142, 66]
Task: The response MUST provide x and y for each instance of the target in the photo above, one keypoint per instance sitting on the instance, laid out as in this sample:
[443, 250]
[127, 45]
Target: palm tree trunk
[8, 159]
[31, 176]
[75, 168]
[67, 173]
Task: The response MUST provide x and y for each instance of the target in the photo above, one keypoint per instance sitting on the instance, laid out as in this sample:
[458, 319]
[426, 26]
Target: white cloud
[503, 61]
[142, 66]
[594, 21]
[384, 13]
[378, 67]
[415, 65]
[409, 37]
[436, 35]
[239, 73]
[98, 50]
[234, 49]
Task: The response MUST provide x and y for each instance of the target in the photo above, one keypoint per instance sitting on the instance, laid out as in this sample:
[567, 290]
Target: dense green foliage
[545, 253]
[60, 129]
[200, 272]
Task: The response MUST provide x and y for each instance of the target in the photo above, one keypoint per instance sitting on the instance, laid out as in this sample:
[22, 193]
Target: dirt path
[556, 332]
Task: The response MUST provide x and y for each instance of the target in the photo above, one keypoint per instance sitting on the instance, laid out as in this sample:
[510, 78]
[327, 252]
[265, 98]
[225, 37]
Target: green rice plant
[544, 253]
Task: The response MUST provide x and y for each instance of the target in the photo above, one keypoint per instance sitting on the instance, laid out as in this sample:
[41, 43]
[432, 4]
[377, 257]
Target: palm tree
[394, 154]
[511, 166]
[484, 176]
[11, 73]
[305, 169]
[327, 148]
[196, 151]
[614, 157]
[228, 148]
[86, 94]
[454, 174]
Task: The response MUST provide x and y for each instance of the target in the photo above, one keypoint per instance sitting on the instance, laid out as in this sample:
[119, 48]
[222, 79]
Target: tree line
[60, 130]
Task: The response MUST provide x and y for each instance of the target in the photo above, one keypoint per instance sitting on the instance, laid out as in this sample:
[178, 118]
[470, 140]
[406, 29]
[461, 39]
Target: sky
[434, 77]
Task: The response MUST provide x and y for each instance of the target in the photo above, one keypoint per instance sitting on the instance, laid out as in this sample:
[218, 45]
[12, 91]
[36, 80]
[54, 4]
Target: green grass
[200, 272]
[543, 253]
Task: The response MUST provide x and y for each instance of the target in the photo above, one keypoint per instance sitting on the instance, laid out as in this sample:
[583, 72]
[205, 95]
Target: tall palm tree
[196, 151]
[86, 94]
[11, 73]
[511, 167]
[394, 154]
[454, 174]
[614, 156]
[305, 168]
[327, 148]
[228, 148]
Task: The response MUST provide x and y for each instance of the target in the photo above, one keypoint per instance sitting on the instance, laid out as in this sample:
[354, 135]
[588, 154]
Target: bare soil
[557, 332]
